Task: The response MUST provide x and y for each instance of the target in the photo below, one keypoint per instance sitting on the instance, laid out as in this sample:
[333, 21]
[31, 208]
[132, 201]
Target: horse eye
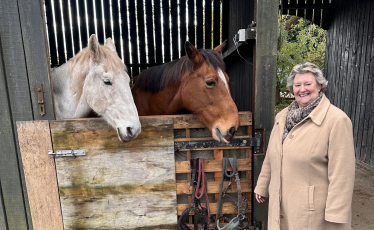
[107, 82]
[210, 83]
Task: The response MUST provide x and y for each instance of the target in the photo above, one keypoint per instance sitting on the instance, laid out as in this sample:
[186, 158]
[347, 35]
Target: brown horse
[196, 82]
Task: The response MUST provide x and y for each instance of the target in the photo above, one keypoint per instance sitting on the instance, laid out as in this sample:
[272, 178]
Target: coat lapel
[319, 113]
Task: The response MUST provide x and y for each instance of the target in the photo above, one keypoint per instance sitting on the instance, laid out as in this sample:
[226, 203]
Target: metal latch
[39, 89]
[67, 153]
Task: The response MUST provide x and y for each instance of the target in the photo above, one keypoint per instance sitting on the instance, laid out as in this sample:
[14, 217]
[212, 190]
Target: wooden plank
[225, 19]
[166, 29]
[199, 25]
[214, 186]
[116, 28]
[51, 33]
[149, 26]
[99, 21]
[83, 23]
[125, 34]
[260, 210]
[132, 183]
[218, 155]
[36, 56]
[40, 174]
[59, 33]
[191, 24]
[97, 134]
[133, 36]
[266, 63]
[107, 20]
[74, 23]
[227, 208]
[3, 224]
[205, 138]
[366, 141]
[141, 32]
[174, 29]
[190, 121]
[158, 37]
[182, 27]
[213, 166]
[15, 104]
[91, 17]
[216, 23]
[208, 25]
[67, 30]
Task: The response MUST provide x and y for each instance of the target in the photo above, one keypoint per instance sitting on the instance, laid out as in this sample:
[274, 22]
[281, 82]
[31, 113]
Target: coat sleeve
[341, 172]
[262, 187]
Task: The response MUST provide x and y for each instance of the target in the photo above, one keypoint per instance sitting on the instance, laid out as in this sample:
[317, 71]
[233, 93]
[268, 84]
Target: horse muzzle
[230, 133]
[128, 133]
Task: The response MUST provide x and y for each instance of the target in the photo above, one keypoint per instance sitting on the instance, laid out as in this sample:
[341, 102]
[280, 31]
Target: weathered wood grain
[116, 185]
[190, 121]
[227, 208]
[214, 187]
[40, 174]
[213, 166]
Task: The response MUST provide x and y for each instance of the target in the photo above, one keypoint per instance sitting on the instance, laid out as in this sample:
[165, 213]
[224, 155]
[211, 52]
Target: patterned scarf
[296, 114]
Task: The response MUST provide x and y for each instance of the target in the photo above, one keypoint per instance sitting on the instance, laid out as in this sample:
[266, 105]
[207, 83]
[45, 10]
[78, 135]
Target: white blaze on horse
[96, 79]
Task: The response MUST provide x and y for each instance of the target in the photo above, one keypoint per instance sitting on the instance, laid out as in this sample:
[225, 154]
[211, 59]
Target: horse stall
[75, 173]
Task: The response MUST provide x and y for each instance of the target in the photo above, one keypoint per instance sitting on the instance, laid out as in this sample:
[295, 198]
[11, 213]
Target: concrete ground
[363, 199]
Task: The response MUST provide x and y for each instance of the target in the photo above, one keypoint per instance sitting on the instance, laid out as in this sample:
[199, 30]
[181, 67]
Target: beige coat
[309, 179]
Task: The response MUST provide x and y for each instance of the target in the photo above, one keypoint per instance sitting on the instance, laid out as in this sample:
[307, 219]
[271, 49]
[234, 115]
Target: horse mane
[157, 78]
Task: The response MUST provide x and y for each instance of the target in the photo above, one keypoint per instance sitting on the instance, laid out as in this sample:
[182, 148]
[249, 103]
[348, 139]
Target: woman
[308, 171]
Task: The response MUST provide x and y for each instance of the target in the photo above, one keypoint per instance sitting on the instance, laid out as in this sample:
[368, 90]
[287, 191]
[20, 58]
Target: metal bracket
[67, 153]
[197, 144]
[39, 89]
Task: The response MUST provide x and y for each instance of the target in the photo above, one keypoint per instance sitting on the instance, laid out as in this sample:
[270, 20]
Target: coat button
[281, 216]
[291, 136]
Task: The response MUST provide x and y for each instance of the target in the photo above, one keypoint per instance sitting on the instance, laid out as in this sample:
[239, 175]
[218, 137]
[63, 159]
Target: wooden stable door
[114, 186]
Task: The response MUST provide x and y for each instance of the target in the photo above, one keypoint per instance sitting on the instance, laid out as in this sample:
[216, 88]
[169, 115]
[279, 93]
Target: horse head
[107, 90]
[205, 92]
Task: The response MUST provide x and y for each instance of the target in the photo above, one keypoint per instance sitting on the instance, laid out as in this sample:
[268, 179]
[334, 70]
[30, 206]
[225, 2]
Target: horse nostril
[231, 131]
[129, 132]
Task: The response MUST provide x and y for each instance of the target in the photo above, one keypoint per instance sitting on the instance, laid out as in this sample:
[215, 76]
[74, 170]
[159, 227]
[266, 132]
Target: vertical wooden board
[2, 215]
[116, 185]
[37, 61]
[14, 105]
[260, 212]
[40, 174]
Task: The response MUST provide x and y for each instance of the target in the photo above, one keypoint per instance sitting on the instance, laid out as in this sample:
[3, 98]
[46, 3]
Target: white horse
[96, 79]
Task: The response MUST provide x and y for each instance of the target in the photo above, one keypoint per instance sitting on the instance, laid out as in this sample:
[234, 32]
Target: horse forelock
[79, 66]
[157, 78]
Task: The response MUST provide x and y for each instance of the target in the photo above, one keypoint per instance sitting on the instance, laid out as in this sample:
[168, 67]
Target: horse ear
[109, 43]
[221, 47]
[94, 47]
[194, 55]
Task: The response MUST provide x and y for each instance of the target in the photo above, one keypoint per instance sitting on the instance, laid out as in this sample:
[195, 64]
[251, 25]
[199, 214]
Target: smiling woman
[309, 169]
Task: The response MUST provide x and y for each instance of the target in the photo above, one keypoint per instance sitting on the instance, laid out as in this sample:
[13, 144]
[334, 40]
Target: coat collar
[319, 113]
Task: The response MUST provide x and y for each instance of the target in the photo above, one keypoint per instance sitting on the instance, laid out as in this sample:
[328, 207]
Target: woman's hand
[260, 199]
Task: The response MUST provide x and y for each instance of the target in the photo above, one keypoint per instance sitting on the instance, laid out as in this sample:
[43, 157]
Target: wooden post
[40, 174]
[265, 82]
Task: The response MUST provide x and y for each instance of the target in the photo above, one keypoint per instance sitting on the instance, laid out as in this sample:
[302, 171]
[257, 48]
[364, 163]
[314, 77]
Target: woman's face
[305, 89]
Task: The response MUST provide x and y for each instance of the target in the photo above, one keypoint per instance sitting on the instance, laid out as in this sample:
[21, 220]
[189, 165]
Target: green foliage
[299, 41]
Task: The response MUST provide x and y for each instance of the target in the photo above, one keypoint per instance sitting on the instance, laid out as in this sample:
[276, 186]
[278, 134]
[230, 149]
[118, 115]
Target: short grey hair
[307, 67]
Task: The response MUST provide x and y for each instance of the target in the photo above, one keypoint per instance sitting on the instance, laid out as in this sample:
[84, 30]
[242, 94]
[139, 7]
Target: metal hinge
[67, 153]
[39, 90]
